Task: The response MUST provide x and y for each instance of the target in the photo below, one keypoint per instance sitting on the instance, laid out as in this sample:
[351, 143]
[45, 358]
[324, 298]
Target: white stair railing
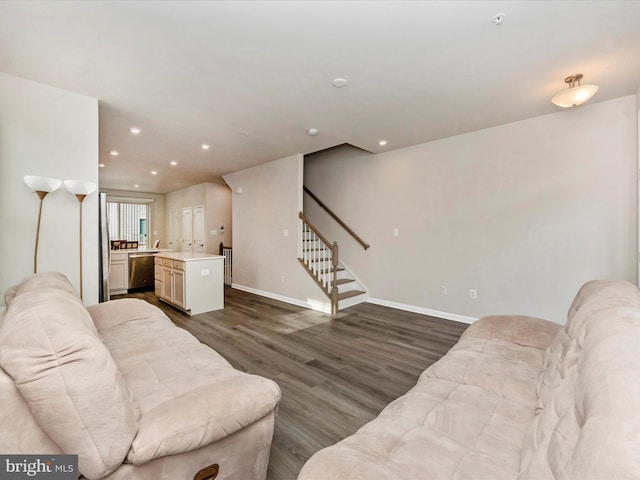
[320, 259]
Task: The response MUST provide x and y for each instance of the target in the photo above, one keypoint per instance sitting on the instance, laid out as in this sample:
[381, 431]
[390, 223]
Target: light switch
[204, 272]
[395, 232]
[286, 232]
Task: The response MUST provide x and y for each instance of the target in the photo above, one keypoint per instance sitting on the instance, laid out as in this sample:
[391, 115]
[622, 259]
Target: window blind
[128, 221]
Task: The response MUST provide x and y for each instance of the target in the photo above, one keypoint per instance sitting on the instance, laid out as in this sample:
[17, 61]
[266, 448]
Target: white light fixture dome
[575, 95]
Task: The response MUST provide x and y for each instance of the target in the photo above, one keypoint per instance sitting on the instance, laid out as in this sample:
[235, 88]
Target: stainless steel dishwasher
[141, 270]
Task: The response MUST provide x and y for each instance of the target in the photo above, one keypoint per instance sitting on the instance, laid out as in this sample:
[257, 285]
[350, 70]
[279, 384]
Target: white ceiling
[250, 77]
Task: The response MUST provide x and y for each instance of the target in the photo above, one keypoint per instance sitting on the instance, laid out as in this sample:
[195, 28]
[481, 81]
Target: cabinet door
[118, 275]
[198, 229]
[167, 276]
[179, 288]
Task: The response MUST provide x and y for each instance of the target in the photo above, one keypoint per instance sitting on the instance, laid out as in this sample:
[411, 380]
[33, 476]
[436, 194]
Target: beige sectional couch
[516, 398]
[118, 384]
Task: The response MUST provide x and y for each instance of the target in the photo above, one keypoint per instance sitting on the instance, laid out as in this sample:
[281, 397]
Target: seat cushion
[51, 349]
[188, 395]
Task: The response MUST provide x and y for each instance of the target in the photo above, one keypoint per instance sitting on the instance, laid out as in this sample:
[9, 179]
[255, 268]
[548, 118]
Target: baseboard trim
[325, 308]
[423, 311]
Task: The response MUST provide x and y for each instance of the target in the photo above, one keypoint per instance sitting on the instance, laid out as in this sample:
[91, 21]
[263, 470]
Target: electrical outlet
[473, 294]
[443, 290]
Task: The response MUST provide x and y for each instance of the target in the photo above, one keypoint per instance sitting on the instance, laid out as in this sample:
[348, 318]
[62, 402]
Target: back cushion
[587, 425]
[39, 281]
[50, 347]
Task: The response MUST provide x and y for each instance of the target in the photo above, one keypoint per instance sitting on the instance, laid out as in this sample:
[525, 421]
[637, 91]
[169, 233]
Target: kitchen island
[192, 282]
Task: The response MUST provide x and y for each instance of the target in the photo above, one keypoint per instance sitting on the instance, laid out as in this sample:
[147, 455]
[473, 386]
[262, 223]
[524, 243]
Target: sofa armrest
[519, 329]
[116, 312]
[203, 416]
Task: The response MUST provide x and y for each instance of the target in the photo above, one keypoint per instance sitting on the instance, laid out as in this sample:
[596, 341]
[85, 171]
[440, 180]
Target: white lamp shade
[78, 187]
[42, 184]
[572, 97]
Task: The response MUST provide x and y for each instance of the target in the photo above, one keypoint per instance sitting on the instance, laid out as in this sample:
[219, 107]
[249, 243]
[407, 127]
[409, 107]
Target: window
[129, 220]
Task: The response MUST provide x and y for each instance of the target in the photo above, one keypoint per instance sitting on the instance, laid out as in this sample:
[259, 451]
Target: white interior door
[173, 230]
[187, 230]
[199, 236]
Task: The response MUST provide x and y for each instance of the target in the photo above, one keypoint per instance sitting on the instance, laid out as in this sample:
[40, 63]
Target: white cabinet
[190, 281]
[118, 273]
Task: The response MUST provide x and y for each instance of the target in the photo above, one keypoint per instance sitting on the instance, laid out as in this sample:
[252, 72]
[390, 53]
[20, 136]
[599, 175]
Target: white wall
[265, 260]
[218, 214]
[217, 201]
[50, 132]
[524, 213]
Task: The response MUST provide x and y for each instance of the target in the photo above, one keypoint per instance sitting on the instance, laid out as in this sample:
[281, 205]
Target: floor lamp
[80, 190]
[41, 186]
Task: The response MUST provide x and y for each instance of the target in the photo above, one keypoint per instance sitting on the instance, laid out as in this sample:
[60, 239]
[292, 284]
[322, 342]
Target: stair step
[349, 294]
[330, 270]
[342, 281]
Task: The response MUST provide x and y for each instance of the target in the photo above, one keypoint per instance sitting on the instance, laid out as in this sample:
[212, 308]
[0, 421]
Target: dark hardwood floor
[336, 374]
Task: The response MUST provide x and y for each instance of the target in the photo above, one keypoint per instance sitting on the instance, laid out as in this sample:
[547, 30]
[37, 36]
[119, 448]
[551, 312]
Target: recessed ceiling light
[101, 165]
[173, 163]
[340, 82]
[382, 143]
[205, 146]
[153, 172]
[313, 132]
[134, 130]
[137, 186]
[114, 153]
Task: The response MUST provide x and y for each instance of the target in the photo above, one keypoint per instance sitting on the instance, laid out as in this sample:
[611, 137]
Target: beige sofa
[118, 384]
[516, 398]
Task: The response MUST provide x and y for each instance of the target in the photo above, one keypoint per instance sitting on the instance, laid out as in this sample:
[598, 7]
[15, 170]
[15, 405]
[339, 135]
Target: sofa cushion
[467, 417]
[188, 394]
[37, 282]
[502, 354]
[50, 347]
[587, 425]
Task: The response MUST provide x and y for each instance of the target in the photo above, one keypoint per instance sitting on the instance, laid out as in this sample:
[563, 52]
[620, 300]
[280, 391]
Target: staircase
[320, 258]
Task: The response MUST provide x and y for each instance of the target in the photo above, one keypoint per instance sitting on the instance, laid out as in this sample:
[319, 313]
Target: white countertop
[189, 256]
[141, 250]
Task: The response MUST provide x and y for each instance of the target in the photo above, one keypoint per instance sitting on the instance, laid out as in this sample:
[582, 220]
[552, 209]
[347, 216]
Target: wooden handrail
[315, 230]
[364, 244]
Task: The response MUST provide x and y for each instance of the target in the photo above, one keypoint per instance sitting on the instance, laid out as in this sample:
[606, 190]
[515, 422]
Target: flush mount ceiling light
[313, 132]
[205, 146]
[173, 163]
[114, 153]
[154, 172]
[134, 130]
[340, 82]
[382, 143]
[575, 95]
